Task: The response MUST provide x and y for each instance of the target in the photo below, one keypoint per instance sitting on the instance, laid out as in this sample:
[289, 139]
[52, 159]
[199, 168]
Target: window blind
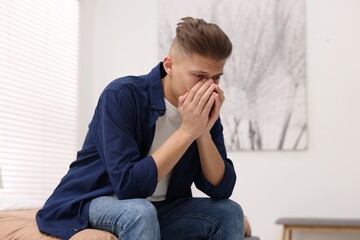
[38, 94]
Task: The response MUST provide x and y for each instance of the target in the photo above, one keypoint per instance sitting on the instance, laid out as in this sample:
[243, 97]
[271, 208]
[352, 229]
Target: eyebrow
[206, 73]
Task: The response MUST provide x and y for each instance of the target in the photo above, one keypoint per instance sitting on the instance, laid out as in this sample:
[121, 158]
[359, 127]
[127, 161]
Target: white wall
[117, 38]
[120, 38]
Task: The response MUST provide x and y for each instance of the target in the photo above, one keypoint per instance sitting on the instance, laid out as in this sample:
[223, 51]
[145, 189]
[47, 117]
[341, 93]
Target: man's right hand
[195, 106]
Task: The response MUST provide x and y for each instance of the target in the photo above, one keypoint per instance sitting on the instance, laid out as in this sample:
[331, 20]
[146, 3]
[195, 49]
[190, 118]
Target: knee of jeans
[145, 210]
[233, 210]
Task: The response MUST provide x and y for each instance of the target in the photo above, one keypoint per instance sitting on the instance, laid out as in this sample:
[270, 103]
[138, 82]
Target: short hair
[206, 39]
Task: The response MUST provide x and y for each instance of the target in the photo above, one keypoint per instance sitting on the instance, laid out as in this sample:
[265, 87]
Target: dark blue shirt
[114, 158]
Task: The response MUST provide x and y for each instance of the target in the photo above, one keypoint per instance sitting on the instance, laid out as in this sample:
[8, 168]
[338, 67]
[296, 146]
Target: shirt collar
[156, 89]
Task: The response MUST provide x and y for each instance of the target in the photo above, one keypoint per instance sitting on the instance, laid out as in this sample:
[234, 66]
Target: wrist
[206, 136]
[185, 135]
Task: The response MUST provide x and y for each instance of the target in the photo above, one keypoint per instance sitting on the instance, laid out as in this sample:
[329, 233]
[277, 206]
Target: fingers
[221, 94]
[210, 104]
[194, 90]
[200, 94]
[199, 90]
[200, 107]
[215, 110]
[219, 99]
[182, 99]
[207, 100]
[204, 93]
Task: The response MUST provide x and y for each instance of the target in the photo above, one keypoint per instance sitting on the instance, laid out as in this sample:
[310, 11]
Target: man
[150, 139]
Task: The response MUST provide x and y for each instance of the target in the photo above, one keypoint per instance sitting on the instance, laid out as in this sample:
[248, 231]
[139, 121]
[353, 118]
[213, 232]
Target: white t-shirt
[166, 125]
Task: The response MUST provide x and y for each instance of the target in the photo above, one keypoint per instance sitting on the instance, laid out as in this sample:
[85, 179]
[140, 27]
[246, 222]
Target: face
[185, 71]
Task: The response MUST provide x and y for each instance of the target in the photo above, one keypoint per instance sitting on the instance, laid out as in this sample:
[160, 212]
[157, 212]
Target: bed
[21, 225]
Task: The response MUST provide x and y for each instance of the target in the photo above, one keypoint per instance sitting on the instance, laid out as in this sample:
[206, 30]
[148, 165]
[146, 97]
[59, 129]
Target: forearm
[170, 152]
[212, 164]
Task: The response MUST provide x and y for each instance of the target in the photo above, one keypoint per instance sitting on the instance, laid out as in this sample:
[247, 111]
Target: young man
[150, 139]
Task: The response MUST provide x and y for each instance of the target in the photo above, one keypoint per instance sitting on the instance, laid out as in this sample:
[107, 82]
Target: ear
[167, 63]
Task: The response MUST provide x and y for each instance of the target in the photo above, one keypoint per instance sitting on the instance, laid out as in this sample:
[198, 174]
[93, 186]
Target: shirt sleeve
[225, 188]
[116, 137]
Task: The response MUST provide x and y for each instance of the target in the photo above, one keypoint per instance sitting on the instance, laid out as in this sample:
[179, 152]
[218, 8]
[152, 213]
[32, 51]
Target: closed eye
[216, 78]
[200, 76]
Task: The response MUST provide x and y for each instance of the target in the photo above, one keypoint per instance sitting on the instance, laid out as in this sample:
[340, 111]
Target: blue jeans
[183, 219]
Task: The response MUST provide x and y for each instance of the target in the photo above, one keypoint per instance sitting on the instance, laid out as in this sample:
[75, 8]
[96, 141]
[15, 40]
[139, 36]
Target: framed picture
[264, 78]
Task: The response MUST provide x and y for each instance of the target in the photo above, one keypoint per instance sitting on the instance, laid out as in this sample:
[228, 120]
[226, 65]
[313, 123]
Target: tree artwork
[264, 78]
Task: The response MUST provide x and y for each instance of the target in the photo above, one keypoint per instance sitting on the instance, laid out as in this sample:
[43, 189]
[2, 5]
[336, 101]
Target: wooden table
[316, 224]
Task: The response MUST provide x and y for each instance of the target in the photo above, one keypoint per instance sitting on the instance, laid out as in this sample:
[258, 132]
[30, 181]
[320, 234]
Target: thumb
[182, 98]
